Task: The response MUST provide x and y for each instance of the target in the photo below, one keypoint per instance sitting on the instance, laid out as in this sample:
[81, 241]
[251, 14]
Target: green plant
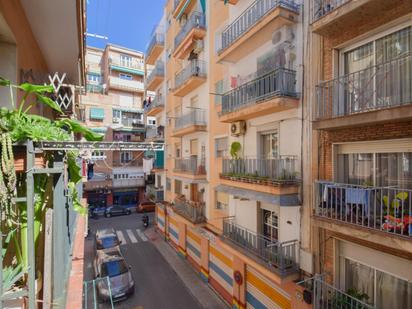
[235, 148]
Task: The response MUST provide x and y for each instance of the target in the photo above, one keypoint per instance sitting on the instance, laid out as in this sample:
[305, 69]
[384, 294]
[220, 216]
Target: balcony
[366, 96]
[328, 16]
[154, 133]
[192, 31]
[128, 183]
[132, 67]
[91, 88]
[194, 121]
[190, 77]
[269, 93]
[181, 7]
[191, 211]
[280, 257]
[155, 194]
[155, 48]
[98, 181]
[156, 106]
[125, 84]
[384, 209]
[254, 27]
[190, 167]
[156, 77]
[131, 123]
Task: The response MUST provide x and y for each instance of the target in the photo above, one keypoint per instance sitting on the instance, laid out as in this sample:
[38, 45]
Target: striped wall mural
[173, 230]
[161, 219]
[262, 293]
[193, 245]
[221, 268]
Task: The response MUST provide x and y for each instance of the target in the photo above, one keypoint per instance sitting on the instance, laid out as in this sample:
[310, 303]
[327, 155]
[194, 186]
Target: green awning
[183, 9]
[203, 4]
[127, 70]
[96, 113]
[99, 129]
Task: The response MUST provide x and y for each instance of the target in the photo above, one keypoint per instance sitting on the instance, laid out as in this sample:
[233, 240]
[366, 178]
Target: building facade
[113, 105]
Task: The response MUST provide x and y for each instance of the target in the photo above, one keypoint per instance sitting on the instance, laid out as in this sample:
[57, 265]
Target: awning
[127, 70]
[97, 113]
[190, 180]
[99, 129]
[280, 200]
[183, 9]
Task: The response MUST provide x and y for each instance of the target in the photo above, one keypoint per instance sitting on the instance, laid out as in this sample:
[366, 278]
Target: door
[194, 194]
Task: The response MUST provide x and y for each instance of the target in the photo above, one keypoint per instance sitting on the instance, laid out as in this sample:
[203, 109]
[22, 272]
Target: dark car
[106, 238]
[113, 276]
[146, 206]
[116, 211]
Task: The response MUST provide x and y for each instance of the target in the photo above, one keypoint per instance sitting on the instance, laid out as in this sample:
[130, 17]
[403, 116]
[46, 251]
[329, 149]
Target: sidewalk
[200, 290]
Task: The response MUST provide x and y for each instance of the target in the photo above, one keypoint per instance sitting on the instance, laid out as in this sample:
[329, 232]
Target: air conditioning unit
[198, 48]
[116, 119]
[238, 128]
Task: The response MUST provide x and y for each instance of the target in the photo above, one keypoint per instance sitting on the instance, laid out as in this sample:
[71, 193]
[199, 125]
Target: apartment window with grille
[178, 186]
[168, 184]
[270, 224]
[94, 78]
[221, 147]
[222, 200]
[125, 156]
[125, 76]
[126, 61]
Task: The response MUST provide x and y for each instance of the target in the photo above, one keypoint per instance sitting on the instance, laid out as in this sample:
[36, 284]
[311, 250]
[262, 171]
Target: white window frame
[125, 76]
[126, 60]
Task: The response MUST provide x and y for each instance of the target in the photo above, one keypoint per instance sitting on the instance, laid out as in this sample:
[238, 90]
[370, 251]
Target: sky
[128, 23]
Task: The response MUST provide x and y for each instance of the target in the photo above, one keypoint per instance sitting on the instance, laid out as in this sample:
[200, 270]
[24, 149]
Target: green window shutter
[96, 113]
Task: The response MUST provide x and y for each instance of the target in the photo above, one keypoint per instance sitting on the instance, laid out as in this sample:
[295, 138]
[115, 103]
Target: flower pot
[20, 159]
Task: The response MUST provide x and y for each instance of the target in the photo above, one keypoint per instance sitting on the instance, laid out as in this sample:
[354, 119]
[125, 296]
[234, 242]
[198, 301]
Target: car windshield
[113, 268]
[107, 242]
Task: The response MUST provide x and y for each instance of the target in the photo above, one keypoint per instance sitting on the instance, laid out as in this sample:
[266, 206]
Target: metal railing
[134, 64]
[157, 39]
[154, 193]
[195, 20]
[377, 87]
[194, 68]
[282, 168]
[158, 101]
[194, 117]
[192, 211]
[94, 88]
[279, 82]
[134, 85]
[132, 122]
[280, 256]
[154, 132]
[250, 17]
[387, 209]
[158, 70]
[189, 165]
[326, 296]
[321, 8]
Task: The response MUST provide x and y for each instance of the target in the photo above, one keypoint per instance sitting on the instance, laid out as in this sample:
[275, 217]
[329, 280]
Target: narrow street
[157, 284]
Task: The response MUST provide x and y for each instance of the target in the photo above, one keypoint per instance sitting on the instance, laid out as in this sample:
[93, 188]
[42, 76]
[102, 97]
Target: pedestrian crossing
[129, 236]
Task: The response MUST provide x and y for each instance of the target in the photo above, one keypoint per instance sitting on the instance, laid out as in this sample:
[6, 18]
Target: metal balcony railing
[280, 256]
[154, 132]
[94, 88]
[377, 87]
[158, 70]
[195, 20]
[189, 165]
[250, 17]
[321, 8]
[279, 82]
[194, 117]
[387, 209]
[134, 64]
[194, 68]
[157, 39]
[158, 101]
[132, 122]
[326, 296]
[281, 169]
[192, 211]
[154, 193]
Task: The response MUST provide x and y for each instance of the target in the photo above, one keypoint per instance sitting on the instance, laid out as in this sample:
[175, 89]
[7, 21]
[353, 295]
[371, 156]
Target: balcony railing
[158, 101]
[321, 8]
[326, 296]
[279, 82]
[157, 39]
[195, 117]
[133, 85]
[154, 132]
[387, 209]
[192, 211]
[94, 88]
[272, 170]
[195, 20]
[195, 68]
[377, 87]
[127, 183]
[134, 65]
[158, 70]
[280, 256]
[155, 194]
[190, 166]
[251, 16]
[132, 122]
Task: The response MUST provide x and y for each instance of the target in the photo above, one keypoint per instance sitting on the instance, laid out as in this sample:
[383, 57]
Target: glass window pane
[356, 169]
[359, 278]
[392, 292]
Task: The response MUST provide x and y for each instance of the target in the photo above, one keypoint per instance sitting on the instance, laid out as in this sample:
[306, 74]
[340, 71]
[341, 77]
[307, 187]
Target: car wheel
[108, 215]
[128, 212]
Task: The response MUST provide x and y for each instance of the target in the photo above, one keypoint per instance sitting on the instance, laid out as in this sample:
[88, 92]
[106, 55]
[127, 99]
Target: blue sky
[127, 23]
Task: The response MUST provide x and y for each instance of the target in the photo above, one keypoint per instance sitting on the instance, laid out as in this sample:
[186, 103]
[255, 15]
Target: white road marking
[131, 236]
[141, 235]
[121, 237]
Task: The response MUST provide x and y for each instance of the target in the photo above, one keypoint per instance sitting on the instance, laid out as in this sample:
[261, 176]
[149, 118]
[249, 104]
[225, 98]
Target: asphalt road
[157, 286]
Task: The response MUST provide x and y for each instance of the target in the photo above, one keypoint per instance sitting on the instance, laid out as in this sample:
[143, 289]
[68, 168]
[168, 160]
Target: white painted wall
[245, 213]
[289, 223]
[8, 70]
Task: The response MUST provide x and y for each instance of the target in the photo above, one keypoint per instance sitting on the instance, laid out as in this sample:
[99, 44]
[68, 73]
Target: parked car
[106, 238]
[116, 211]
[113, 276]
[146, 206]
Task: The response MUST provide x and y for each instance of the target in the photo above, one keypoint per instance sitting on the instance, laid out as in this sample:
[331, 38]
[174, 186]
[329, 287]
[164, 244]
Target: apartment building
[359, 96]
[233, 135]
[113, 105]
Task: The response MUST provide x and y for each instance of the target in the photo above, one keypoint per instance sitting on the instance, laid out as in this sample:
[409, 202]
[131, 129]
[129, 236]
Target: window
[178, 186]
[159, 181]
[126, 60]
[269, 144]
[270, 224]
[125, 76]
[221, 147]
[222, 200]
[125, 156]
[168, 184]
[96, 79]
[151, 122]
[193, 147]
[177, 150]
